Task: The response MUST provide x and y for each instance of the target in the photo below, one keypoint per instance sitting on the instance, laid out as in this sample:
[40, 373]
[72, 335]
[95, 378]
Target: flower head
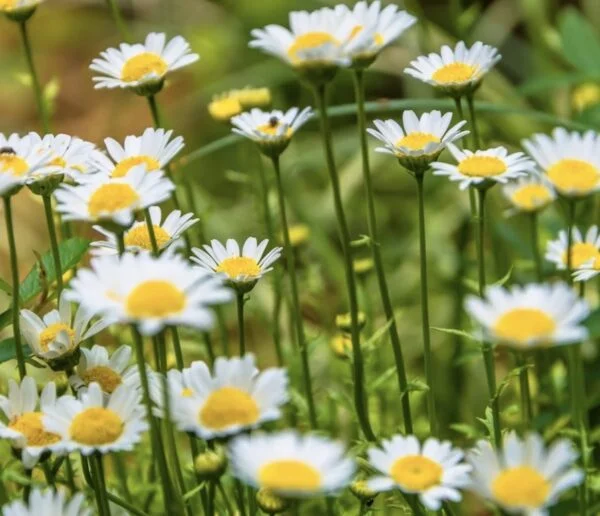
[225, 106]
[585, 249]
[530, 193]
[19, 10]
[48, 503]
[585, 96]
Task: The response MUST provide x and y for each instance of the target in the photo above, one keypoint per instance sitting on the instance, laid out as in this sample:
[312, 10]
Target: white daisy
[585, 249]
[569, 159]
[48, 503]
[456, 71]
[137, 239]
[290, 464]
[102, 199]
[234, 398]
[25, 428]
[434, 471]
[241, 267]
[530, 316]
[9, 184]
[151, 292]
[19, 10]
[530, 193]
[154, 148]
[21, 156]
[525, 477]
[483, 167]
[88, 424]
[142, 66]
[58, 334]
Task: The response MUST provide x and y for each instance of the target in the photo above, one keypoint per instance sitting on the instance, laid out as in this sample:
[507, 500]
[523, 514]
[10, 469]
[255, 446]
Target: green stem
[91, 481]
[239, 490]
[14, 267]
[240, 319]
[177, 348]
[131, 509]
[221, 490]
[360, 396]
[151, 233]
[291, 268]
[473, 116]
[359, 89]
[209, 347]
[154, 111]
[101, 479]
[535, 247]
[121, 471]
[53, 243]
[526, 405]
[116, 14]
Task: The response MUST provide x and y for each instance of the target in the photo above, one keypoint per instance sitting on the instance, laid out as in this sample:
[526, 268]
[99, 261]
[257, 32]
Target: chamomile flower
[434, 471]
[584, 248]
[151, 292]
[88, 424]
[20, 157]
[155, 148]
[9, 184]
[234, 398]
[225, 106]
[24, 410]
[569, 159]
[530, 316]
[290, 464]
[113, 200]
[19, 10]
[483, 167]
[142, 67]
[48, 503]
[137, 239]
[525, 477]
[455, 71]
[530, 193]
[243, 267]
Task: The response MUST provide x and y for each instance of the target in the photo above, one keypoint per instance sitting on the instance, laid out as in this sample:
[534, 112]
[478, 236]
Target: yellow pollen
[574, 176]
[226, 407]
[48, 335]
[225, 108]
[309, 41]
[138, 236]
[112, 197]
[108, 379]
[519, 325]
[454, 73]
[417, 141]
[531, 197]
[416, 473]
[125, 165]
[289, 475]
[187, 393]
[239, 266]
[581, 252]
[142, 65]
[521, 486]
[96, 426]
[272, 129]
[482, 166]
[155, 298]
[12, 164]
[30, 425]
[58, 162]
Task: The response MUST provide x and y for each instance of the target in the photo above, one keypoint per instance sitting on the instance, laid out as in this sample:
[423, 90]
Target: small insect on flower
[142, 67]
[25, 427]
[530, 193]
[434, 471]
[290, 464]
[525, 477]
[48, 503]
[569, 159]
[530, 316]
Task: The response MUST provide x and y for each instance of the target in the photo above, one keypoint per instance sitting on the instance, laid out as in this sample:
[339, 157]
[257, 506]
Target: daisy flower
[154, 148]
[137, 239]
[48, 503]
[455, 71]
[530, 316]
[88, 425]
[290, 464]
[150, 292]
[225, 106]
[434, 471]
[584, 248]
[106, 200]
[234, 398]
[242, 268]
[58, 334]
[569, 159]
[142, 67]
[19, 10]
[483, 167]
[25, 428]
[20, 157]
[530, 193]
[525, 477]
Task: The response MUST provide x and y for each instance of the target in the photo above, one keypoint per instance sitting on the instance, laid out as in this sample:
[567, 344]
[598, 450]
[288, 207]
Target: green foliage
[580, 42]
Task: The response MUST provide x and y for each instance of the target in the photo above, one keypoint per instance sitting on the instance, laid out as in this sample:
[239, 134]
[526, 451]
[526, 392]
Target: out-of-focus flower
[585, 96]
[584, 248]
[531, 193]
[19, 10]
[225, 106]
[48, 503]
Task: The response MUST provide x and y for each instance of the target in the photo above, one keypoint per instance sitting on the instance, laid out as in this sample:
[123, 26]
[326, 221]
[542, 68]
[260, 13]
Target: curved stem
[240, 319]
[151, 233]
[473, 116]
[526, 405]
[209, 347]
[154, 111]
[53, 243]
[116, 14]
[535, 247]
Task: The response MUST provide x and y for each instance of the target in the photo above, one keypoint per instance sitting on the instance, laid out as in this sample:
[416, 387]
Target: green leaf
[544, 83]
[7, 350]
[580, 41]
[5, 287]
[459, 333]
[469, 431]
[416, 385]
[504, 279]
[382, 379]
[513, 373]
[377, 336]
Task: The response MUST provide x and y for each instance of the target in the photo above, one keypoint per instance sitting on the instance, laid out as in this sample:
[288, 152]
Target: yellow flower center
[416, 473]
[142, 65]
[309, 41]
[108, 379]
[272, 128]
[112, 197]
[454, 73]
[58, 162]
[224, 108]
[49, 334]
[377, 38]
[228, 406]
[531, 197]
[521, 486]
[482, 166]
[239, 266]
[155, 298]
[289, 475]
[574, 175]
[522, 324]
[417, 141]
[96, 426]
[138, 236]
[125, 165]
[13, 164]
[581, 252]
[187, 393]
[31, 426]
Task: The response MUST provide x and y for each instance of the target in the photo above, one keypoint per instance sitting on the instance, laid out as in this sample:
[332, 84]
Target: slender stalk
[240, 319]
[209, 347]
[101, 479]
[473, 116]
[53, 242]
[177, 348]
[154, 111]
[359, 89]
[151, 232]
[221, 490]
[91, 480]
[535, 247]
[291, 268]
[121, 471]
[360, 397]
[526, 405]
[14, 267]
[240, 498]
[116, 14]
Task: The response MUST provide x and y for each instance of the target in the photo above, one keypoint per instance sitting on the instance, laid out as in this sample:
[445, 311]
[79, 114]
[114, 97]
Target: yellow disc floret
[155, 298]
[521, 325]
[31, 426]
[125, 165]
[581, 253]
[140, 66]
[112, 197]
[49, 334]
[520, 487]
[289, 475]
[307, 42]
[228, 406]
[96, 426]
[574, 176]
[138, 236]
[482, 166]
[417, 141]
[108, 379]
[416, 473]
[531, 197]
[13, 164]
[239, 266]
[455, 73]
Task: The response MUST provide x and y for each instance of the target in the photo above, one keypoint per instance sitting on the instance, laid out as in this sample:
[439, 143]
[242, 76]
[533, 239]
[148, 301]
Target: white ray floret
[265, 127]
[21, 157]
[48, 503]
[585, 248]
[530, 193]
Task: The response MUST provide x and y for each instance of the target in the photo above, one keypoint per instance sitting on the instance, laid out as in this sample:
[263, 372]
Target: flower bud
[344, 321]
[361, 490]
[270, 503]
[211, 464]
